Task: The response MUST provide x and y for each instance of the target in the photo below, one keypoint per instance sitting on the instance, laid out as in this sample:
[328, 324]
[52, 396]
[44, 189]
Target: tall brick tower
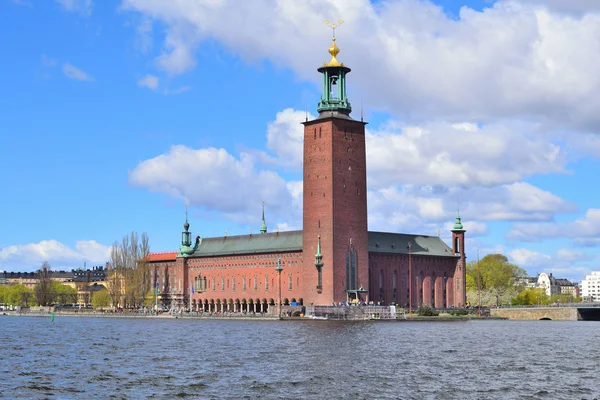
[335, 196]
[460, 273]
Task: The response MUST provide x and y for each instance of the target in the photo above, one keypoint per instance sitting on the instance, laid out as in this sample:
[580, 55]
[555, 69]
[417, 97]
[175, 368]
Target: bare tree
[129, 278]
[44, 293]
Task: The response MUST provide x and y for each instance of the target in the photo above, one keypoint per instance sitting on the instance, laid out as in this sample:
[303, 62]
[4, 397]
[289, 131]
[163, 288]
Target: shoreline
[239, 318]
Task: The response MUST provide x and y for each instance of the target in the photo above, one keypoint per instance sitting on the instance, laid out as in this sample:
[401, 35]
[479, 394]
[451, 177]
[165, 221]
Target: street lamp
[279, 269]
[478, 285]
[410, 283]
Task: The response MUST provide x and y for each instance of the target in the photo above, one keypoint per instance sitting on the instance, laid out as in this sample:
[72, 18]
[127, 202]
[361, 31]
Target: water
[120, 358]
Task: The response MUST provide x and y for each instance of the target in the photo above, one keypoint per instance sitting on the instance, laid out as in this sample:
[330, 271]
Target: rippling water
[120, 358]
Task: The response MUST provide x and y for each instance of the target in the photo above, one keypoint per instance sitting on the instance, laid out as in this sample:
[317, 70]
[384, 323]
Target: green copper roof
[248, 244]
[384, 242]
[458, 226]
[379, 242]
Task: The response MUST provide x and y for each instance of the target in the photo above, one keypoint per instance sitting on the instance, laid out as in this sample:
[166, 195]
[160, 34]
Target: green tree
[64, 294]
[150, 299]
[531, 296]
[101, 299]
[18, 295]
[495, 277]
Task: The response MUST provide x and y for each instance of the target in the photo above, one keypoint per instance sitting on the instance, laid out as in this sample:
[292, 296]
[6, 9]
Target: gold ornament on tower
[333, 50]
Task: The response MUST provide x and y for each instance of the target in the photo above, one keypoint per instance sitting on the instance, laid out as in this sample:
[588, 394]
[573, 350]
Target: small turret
[186, 248]
[458, 226]
[263, 225]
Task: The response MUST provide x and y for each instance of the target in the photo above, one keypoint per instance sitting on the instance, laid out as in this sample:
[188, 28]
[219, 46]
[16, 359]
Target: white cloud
[149, 81]
[83, 6]
[285, 138]
[544, 64]
[214, 179]
[571, 6]
[583, 231]
[442, 153]
[73, 72]
[29, 257]
[528, 259]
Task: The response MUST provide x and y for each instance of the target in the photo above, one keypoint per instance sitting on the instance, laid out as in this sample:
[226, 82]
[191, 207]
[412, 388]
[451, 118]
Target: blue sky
[116, 113]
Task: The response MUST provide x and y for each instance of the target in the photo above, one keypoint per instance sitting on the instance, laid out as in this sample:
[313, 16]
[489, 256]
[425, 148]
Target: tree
[17, 295]
[43, 292]
[150, 299]
[101, 299]
[129, 277]
[496, 277]
[64, 294]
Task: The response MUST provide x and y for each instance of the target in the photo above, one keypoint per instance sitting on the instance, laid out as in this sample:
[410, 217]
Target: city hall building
[334, 258]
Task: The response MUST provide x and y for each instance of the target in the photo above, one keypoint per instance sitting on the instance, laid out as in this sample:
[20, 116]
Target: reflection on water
[81, 357]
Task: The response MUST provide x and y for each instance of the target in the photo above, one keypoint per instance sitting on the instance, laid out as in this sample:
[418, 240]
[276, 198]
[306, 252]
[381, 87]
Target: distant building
[85, 281]
[550, 284]
[590, 287]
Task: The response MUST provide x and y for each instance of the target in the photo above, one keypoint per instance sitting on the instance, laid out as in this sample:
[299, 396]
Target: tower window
[315, 135]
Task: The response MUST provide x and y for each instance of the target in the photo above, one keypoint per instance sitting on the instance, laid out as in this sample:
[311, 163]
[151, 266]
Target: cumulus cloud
[285, 138]
[583, 231]
[577, 7]
[149, 81]
[82, 6]
[543, 63]
[214, 179]
[465, 154]
[72, 72]
[29, 257]
[528, 259]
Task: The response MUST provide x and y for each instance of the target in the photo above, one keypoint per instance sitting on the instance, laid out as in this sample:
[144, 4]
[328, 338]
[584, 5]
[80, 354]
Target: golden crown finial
[334, 50]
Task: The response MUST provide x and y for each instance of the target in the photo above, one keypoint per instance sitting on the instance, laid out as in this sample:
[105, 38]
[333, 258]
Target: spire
[458, 226]
[186, 226]
[319, 256]
[333, 98]
[186, 236]
[263, 225]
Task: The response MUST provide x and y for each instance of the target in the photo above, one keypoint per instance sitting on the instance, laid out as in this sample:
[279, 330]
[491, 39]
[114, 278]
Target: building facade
[334, 258]
[590, 287]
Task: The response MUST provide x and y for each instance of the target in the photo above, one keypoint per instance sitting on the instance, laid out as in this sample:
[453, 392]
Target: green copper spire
[319, 256]
[458, 226]
[186, 236]
[263, 225]
[186, 248]
[333, 98]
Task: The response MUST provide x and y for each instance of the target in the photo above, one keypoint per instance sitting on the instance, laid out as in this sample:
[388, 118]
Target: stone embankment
[537, 313]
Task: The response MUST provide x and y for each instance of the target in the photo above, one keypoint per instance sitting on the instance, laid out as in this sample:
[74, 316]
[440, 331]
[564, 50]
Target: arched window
[421, 278]
[266, 282]
[394, 286]
[244, 283]
[290, 281]
[222, 283]
[233, 283]
[255, 282]
[381, 285]
[433, 289]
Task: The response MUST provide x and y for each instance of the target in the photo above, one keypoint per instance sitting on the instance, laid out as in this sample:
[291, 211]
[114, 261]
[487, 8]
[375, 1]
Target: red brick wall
[432, 279]
[335, 205]
[225, 268]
